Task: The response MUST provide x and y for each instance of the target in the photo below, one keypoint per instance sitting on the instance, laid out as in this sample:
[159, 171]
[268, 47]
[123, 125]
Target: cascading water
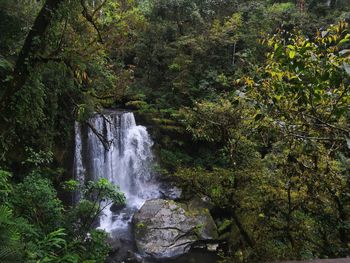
[112, 146]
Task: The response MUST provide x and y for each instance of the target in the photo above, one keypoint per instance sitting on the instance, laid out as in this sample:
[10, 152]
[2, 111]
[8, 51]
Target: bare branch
[105, 142]
[90, 19]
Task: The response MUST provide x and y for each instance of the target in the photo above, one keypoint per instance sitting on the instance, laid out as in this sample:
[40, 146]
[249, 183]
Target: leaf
[343, 41]
[343, 52]
[5, 64]
[348, 142]
[292, 54]
[324, 33]
[346, 66]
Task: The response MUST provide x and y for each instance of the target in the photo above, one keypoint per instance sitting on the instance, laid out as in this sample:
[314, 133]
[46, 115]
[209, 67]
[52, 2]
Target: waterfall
[112, 146]
[79, 170]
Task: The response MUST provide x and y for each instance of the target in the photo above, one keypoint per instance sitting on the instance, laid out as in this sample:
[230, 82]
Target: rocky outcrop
[165, 228]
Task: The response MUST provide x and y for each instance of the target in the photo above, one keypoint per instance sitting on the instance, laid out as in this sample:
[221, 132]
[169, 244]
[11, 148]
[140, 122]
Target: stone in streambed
[165, 228]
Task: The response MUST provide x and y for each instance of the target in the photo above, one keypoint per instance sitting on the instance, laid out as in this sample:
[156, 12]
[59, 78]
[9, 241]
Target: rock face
[165, 228]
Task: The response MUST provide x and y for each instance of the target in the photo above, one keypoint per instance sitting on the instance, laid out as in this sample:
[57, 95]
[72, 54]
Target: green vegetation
[249, 103]
[36, 227]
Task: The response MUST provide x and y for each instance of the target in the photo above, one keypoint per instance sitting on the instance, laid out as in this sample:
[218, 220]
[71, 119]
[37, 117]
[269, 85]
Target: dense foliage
[248, 100]
[36, 227]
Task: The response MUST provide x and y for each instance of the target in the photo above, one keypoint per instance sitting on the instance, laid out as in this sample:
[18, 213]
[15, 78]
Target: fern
[8, 254]
[5, 186]
[55, 240]
[9, 236]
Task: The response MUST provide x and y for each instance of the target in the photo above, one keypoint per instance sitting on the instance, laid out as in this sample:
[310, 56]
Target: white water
[121, 151]
[79, 170]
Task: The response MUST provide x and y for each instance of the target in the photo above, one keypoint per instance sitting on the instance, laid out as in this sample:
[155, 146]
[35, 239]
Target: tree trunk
[242, 231]
[301, 5]
[343, 232]
[25, 58]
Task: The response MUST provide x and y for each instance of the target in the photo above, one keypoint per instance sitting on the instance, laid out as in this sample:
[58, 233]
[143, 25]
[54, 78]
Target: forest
[247, 106]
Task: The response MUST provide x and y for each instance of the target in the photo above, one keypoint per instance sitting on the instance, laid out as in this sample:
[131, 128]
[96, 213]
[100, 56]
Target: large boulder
[165, 228]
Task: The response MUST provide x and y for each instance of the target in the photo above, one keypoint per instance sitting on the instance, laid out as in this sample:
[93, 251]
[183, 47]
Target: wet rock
[201, 202]
[133, 258]
[165, 228]
[117, 207]
[122, 251]
[171, 193]
[212, 247]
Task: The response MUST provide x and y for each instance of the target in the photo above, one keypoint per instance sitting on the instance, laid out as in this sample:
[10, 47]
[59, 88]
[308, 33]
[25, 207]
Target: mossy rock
[169, 228]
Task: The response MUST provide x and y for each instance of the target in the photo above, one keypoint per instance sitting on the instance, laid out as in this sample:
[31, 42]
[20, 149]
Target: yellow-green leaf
[291, 54]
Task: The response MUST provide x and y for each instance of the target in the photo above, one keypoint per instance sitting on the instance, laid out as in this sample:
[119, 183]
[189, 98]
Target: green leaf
[5, 64]
[292, 54]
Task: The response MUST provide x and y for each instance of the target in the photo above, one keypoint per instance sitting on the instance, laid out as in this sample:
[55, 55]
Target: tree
[283, 134]
[27, 54]
[67, 69]
[304, 98]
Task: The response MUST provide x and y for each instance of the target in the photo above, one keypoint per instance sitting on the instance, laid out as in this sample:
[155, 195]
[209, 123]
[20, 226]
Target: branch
[242, 231]
[90, 18]
[171, 228]
[104, 141]
[327, 124]
[337, 102]
[98, 8]
[105, 118]
[314, 138]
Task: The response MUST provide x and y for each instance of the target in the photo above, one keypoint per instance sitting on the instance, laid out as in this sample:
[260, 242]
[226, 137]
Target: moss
[141, 230]
[136, 105]
[198, 229]
[140, 225]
